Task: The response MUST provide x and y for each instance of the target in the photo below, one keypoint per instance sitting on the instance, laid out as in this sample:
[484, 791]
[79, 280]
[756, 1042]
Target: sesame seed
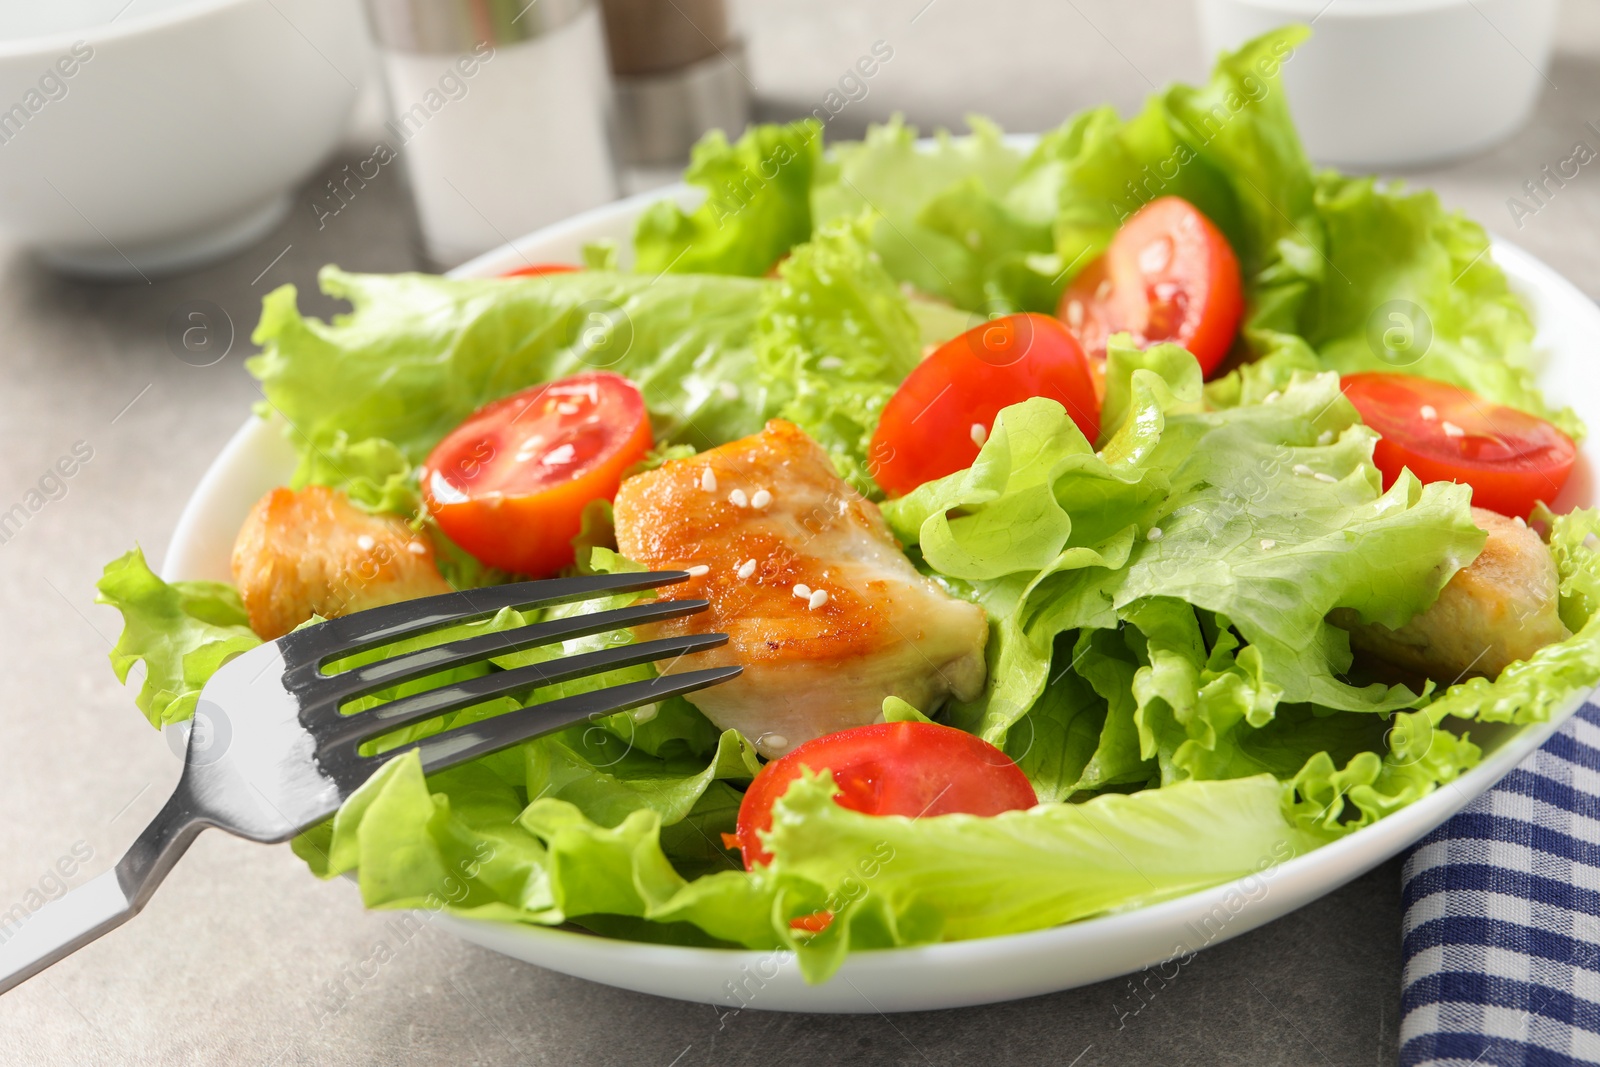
[1428, 411]
[699, 570]
[1075, 314]
[747, 568]
[365, 542]
[979, 434]
[772, 744]
[1102, 290]
[1452, 430]
[1268, 544]
[728, 390]
[1520, 521]
[1155, 534]
[760, 499]
[830, 363]
[1324, 477]
[1270, 397]
[803, 591]
[417, 548]
[644, 714]
[708, 480]
[738, 499]
[1325, 438]
[817, 599]
[567, 407]
[1303, 471]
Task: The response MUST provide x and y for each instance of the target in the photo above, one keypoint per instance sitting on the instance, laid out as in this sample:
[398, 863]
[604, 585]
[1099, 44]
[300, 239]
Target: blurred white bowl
[144, 136]
[1391, 83]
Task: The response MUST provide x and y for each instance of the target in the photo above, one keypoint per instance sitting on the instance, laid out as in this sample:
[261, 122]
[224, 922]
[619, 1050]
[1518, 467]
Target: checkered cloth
[1502, 918]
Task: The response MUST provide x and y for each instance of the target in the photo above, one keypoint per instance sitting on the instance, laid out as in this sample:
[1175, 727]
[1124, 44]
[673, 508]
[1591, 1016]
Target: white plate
[968, 972]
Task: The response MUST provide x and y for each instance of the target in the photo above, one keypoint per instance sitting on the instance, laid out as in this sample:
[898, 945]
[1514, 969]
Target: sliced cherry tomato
[945, 409]
[510, 483]
[1169, 275]
[891, 768]
[536, 269]
[1444, 433]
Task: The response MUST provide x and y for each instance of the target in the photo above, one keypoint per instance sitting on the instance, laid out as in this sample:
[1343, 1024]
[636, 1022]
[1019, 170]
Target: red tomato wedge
[1444, 433]
[814, 923]
[510, 483]
[1169, 275]
[944, 410]
[891, 768]
[535, 269]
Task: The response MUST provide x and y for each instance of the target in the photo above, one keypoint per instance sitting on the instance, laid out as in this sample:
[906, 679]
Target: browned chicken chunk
[821, 607]
[312, 552]
[1501, 609]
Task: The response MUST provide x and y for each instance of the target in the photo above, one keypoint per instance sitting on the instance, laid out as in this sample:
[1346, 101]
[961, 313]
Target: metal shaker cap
[454, 26]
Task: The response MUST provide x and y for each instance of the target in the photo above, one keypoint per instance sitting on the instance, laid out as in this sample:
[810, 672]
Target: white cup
[1396, 83]
[168, 134]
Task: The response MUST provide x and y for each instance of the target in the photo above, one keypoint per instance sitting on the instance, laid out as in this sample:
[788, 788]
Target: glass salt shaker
[501, 113]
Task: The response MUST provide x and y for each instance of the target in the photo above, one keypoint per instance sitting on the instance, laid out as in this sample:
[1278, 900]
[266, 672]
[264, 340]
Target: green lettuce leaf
[835, 341]
[418, 354]
[1196, 557]
[373, 473]
[947, 221]
[468, 840]
[757, 204]
[368, 395]
[181, 631]
[892, 880]
[1353, 273]
[1411, 287]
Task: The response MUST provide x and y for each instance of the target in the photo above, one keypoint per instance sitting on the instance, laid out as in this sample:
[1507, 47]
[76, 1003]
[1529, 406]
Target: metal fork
[292, 757]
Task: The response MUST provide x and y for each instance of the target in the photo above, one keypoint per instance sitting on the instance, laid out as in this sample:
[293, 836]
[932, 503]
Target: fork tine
[452, 747]
[381, 626]
[342, 734]
[325, 693]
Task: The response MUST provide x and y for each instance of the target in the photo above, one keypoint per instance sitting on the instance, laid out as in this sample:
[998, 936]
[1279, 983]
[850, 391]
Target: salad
[1088, 531]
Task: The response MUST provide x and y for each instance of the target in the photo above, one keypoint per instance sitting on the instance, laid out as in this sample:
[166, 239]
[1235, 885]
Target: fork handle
[31, 942]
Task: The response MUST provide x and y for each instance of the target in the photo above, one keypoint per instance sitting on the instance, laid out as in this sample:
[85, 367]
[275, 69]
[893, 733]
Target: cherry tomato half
[891, 768]
[510, 483]
[944, 410]
[1446, 434]
[1169, 275]
[535, 269]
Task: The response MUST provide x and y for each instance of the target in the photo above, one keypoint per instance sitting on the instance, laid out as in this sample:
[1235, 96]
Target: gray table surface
[235, 958]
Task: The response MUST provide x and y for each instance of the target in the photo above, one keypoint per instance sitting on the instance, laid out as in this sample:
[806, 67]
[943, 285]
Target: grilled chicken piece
[312, 552]
[821, 607]
[1499, 610]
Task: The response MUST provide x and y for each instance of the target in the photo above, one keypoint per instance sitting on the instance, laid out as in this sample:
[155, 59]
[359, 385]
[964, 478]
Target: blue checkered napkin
[1502, 918]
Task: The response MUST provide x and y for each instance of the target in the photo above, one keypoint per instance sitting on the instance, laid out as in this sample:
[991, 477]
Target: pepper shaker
[678, 67]
[501, 112]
